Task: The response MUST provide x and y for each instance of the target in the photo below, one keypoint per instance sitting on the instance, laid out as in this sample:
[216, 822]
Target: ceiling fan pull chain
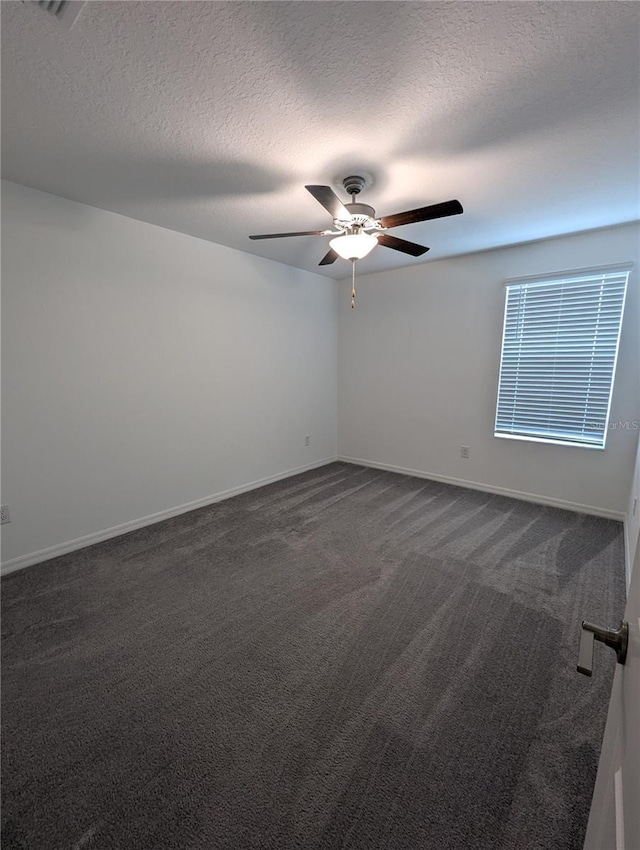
[353, 284]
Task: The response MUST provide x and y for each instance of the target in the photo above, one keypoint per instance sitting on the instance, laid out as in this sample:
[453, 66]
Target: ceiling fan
[356, 230]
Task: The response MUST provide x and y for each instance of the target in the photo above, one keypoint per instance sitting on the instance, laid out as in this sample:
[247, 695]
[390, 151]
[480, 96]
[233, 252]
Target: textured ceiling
[209, 117]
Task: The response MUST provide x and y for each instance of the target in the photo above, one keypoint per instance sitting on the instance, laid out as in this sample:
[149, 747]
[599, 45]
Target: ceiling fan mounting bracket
[354, 184]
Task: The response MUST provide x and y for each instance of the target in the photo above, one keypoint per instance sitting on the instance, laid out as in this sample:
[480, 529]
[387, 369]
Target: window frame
[560, 277]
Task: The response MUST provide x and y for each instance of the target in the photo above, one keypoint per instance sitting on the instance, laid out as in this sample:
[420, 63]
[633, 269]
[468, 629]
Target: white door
[614, 822]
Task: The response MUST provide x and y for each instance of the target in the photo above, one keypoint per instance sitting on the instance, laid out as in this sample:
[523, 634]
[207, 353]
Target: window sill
[549, 441]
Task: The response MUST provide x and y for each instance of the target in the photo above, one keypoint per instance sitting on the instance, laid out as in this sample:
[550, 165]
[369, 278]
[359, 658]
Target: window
[559, 350]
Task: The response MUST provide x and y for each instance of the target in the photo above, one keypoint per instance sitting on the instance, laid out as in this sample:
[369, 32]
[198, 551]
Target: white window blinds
[559, 350]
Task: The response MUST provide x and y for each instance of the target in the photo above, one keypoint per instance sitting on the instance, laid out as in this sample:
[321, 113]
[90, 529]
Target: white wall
[143, 369]
[419, 360]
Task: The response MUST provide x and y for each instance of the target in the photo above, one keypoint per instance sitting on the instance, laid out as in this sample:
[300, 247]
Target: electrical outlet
[5, 516]
[307, 440]
[464, 451]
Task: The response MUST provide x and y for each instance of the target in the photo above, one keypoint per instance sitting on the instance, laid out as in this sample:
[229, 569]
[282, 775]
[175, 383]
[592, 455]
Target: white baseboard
[488, 488]
[115, 531]
[97, 537]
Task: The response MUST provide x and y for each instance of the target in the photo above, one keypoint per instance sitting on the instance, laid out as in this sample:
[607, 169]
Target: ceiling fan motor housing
[362, 215]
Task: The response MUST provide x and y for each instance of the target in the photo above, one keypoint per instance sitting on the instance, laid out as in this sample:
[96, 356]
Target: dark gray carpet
[346, 659]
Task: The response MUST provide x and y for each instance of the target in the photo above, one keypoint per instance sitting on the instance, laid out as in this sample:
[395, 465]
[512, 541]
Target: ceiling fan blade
[280, 235]
[330, 201]
[423, 214]
[401, 245]
[329, 257]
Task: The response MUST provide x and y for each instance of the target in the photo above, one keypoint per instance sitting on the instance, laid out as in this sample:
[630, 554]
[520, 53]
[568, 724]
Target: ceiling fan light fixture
[354, 246]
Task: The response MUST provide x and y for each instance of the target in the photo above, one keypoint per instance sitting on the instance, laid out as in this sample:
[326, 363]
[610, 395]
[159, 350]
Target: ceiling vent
[64, 11]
